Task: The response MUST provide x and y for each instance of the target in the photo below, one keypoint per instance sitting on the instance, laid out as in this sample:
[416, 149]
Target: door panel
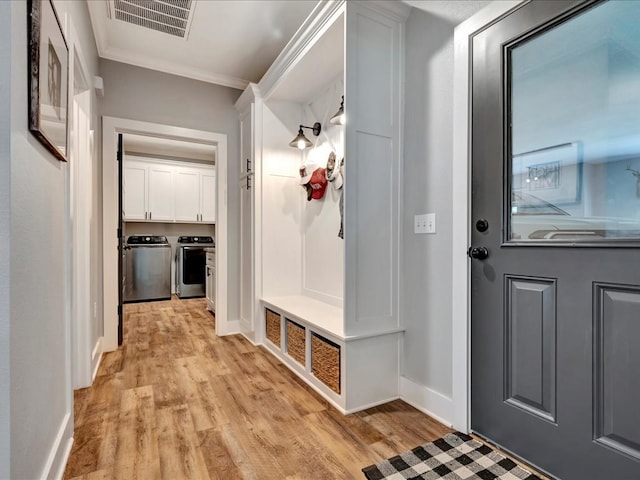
[530, 333]
[554, 376]
[617, 357]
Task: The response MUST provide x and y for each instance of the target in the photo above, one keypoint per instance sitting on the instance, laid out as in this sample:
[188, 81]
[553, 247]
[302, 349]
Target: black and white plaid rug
[455, 456]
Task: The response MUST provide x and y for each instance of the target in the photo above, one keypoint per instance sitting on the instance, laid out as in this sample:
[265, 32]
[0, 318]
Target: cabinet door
[212, 290]
[135, 191]
[187, 191]
[161, 193]
[208, 196]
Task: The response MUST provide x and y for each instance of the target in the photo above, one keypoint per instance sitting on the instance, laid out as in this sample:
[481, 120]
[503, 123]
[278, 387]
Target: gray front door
[555, 276]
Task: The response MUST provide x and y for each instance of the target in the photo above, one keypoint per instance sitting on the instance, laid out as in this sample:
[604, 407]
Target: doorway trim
[111, 127]
[86, 347]
[461, 190]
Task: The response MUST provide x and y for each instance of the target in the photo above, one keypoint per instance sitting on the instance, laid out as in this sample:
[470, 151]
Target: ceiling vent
[167, 16]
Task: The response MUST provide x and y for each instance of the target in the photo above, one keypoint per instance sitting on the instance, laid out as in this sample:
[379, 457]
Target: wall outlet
[425, 223]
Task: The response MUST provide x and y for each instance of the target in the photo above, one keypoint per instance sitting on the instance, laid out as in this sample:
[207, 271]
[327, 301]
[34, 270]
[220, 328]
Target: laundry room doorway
[112, 127]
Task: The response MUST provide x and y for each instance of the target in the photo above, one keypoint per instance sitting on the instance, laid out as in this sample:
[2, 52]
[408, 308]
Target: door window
[574, 144]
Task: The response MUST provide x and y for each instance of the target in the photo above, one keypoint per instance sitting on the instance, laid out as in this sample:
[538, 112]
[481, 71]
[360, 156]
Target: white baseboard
[427, 401]
[59, 454]
[230, 327]
[249, 339]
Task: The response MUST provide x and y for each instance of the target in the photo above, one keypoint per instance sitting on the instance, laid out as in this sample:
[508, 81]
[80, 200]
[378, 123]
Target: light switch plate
[425, 223]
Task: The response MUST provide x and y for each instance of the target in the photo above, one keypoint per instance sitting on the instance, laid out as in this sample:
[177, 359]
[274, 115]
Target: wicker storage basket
[273, 326]
[296, 342]
[325, 362]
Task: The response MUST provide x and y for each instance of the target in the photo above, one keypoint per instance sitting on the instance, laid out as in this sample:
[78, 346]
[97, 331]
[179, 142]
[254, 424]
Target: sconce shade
[300, 141]
[303, 142]
[339, 117]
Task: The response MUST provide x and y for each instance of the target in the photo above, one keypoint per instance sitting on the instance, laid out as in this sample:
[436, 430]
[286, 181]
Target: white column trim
[461, 189]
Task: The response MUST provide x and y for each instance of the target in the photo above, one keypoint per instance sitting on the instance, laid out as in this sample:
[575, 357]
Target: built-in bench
[307, 336]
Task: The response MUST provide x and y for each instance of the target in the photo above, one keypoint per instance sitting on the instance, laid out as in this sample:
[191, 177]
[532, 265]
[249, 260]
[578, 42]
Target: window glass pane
[575, 129]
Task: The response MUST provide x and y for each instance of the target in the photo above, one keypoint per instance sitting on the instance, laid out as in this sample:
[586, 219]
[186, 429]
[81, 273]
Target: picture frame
[552, 174]
[48, 78]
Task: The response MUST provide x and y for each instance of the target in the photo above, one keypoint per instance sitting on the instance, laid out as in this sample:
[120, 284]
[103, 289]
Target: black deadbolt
[482, 225]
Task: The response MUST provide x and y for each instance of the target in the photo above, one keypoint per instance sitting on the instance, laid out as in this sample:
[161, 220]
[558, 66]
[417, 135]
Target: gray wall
[426, 273]
[427, 259]
[147, 95]
[35, 187]
[40, 386]
[5, 223]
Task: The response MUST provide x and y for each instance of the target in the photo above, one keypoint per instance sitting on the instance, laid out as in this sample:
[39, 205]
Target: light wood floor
[177, 402]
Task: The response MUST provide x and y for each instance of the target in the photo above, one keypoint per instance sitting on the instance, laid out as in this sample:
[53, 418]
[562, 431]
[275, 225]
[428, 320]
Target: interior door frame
[461, 221]
[111, 127]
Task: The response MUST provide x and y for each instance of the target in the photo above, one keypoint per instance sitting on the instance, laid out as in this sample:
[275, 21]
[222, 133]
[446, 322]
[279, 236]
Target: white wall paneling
[374, 58]
[250, 109]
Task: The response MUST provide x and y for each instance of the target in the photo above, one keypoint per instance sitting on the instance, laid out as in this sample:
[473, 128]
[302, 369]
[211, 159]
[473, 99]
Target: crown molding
[318, 21]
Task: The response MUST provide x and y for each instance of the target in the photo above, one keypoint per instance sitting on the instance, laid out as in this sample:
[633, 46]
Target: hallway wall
[37, 285]
[426, 264]
[151, 96]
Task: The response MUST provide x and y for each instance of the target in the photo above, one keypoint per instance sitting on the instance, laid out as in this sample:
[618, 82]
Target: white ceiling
[230, 42]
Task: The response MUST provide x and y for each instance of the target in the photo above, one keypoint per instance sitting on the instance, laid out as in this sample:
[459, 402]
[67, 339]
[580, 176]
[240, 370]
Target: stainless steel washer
[147, 269]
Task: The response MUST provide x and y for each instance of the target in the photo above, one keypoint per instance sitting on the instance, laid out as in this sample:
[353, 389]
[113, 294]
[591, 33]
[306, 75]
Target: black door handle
[479, 253]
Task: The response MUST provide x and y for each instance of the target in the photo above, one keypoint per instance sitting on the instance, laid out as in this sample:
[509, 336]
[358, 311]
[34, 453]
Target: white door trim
[111, 127]
[80, 184]
[461, 189]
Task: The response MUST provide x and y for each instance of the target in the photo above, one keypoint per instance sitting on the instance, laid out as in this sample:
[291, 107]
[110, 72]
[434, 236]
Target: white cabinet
[168, 191]
[161, 193]
[135, 192]
[208, 196]
[195, 194]
[148, 191]
[187, 195]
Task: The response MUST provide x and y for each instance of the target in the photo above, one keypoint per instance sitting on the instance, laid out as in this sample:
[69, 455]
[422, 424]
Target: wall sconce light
[303, 142]
[339, 117]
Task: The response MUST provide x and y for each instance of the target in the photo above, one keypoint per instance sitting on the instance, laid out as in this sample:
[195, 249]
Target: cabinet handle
[248, 182]
[145, 215]
[248, 165]
[149, 215]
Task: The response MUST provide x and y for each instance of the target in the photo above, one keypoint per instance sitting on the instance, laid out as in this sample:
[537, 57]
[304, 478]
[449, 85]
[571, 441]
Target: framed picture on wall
[551, 174]
[48, 77]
